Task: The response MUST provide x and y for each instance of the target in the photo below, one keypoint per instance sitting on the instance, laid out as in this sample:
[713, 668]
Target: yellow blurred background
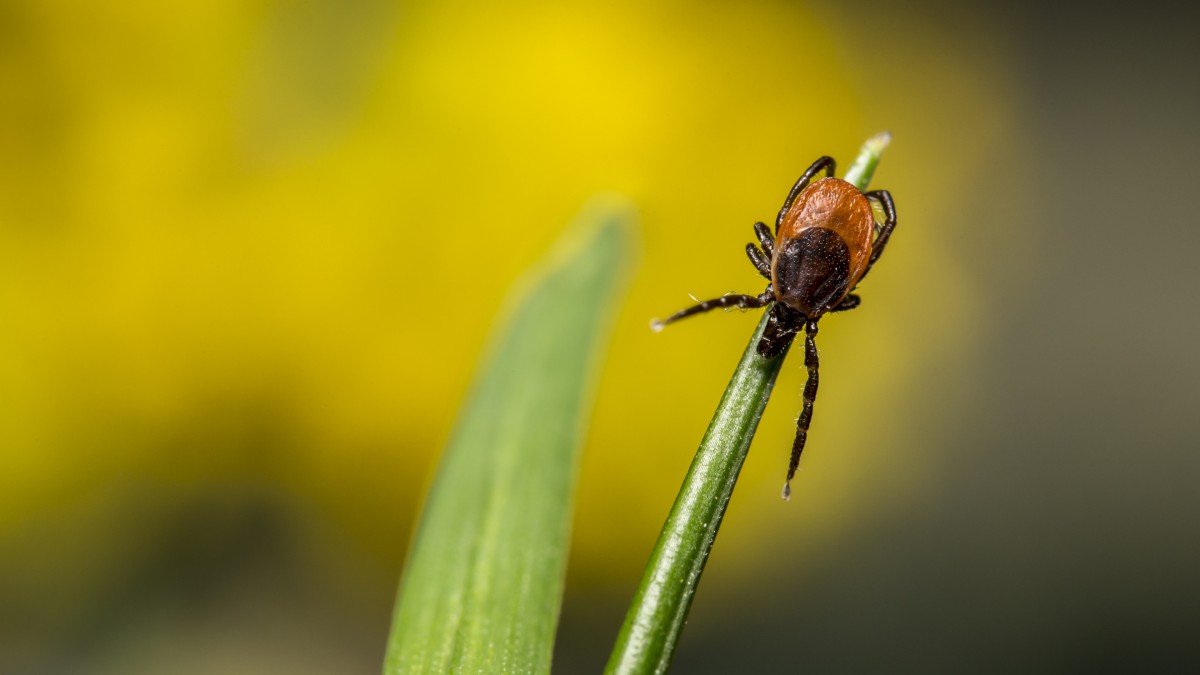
[250, 253]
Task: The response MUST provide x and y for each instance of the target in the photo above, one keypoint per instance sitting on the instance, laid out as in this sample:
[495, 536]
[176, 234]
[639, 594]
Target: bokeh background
[250, 252]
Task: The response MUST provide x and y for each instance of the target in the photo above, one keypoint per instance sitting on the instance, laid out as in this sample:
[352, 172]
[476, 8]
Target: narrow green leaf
[660, 606]
[483, 584]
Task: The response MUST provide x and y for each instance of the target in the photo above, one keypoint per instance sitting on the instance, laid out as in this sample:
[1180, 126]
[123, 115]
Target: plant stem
[660, 606]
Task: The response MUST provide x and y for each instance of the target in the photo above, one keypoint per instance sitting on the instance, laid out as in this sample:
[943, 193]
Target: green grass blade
[482, 588]
[660, 606]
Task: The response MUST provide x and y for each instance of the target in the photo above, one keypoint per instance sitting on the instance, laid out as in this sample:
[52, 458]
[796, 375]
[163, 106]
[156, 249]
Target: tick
[826, 240]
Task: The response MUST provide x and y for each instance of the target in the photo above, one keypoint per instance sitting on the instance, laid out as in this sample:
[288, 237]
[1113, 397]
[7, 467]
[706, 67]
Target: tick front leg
[739, 301]
[810, 397]
[849, 302]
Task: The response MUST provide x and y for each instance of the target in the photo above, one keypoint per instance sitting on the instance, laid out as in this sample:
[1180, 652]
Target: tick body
[822, 247]
[824, 243]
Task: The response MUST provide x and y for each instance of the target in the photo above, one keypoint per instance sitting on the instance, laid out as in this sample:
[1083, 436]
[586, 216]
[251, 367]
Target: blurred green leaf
[482, 588]
[660, 606]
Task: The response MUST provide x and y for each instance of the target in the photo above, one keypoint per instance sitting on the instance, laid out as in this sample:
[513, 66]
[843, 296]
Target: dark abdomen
[812, 271]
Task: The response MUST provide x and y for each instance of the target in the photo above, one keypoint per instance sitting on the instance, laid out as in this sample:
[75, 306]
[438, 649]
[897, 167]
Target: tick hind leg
[739, 301]
[827, 163]
[810, 397]
[885, 233]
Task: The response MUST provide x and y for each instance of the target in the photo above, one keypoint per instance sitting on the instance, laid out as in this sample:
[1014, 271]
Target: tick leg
[826, 163]
[765, 238]
[741, 301]
[848, 302]
[889, 208]
[782, 325]
[760, 261]
[810, 396]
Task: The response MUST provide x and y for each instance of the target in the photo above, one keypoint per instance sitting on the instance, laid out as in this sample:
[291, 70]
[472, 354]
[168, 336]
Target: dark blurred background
[237, 324]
